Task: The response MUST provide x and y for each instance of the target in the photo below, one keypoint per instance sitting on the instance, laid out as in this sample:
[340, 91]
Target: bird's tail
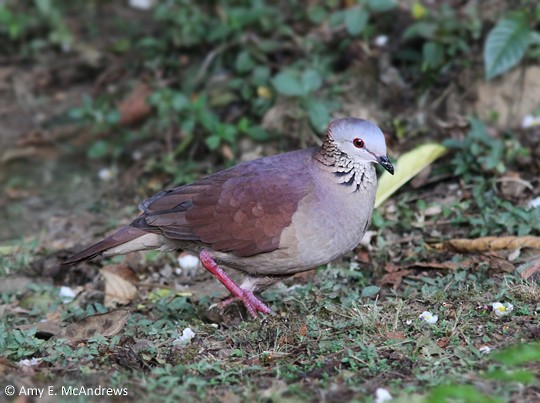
[120, 237]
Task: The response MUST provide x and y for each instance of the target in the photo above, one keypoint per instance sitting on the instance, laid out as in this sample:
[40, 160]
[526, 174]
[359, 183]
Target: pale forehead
[350, 128]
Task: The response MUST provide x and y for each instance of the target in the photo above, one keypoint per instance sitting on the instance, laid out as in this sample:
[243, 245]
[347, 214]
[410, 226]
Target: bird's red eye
[358, 143]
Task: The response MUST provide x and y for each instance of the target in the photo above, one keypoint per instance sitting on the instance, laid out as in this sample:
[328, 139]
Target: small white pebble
[382, 395]
[485, 349]
[106, 174]
[502, 309]
[381, 40]
[187, 261]
[137, 155]
[67, 294]
[514, 255]
[187, 335]
[141, 4]
[534, 202]
[428, 317]
[530, 121]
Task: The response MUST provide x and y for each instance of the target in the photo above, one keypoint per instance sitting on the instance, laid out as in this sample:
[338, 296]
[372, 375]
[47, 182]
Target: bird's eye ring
[358, 143]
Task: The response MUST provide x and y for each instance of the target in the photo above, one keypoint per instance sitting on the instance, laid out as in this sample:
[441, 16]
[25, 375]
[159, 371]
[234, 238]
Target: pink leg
[251, 302]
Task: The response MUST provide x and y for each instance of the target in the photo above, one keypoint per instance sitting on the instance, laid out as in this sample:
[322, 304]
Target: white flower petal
[30, 362]
[530, 121]
[485, 349]
[534, 202]
[106, 174]
[141, 4]
[381, 40]
[188, 262]
[382, 395]
[502, 309]
[428, 317]
[187, 335]
[67, 294]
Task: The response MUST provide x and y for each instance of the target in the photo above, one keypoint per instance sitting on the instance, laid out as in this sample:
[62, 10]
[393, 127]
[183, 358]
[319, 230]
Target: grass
[327, 342]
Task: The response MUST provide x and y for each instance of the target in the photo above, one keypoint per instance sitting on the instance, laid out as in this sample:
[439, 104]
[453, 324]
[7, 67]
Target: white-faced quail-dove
[268, 218]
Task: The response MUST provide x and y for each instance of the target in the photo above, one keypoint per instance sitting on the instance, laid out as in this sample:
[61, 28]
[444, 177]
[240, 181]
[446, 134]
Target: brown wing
[242, 210]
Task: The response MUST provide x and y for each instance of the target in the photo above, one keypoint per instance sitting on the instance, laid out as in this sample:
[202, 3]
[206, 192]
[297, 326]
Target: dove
[268, 218]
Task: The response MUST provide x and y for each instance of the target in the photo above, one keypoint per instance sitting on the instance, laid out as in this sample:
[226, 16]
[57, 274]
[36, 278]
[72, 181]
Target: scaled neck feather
[356, 175]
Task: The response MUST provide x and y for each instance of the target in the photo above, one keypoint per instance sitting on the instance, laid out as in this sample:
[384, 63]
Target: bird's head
[360, 140]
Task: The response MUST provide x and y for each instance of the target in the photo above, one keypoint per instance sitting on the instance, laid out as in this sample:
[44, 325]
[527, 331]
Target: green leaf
[422, 29]
[213, 141]
[227, 132]
[433, 55]
[370, 291]
[356, 20]
[98, 149]
[287, 83]
[407, 166]
[316, 14]
[257, 133]
[380, 6]
[311, 80]
[179, 102]
[535, 38]
[520, 376]
[505, 45]
[336, 18]
[318, 113]
[519, 354]
[244, 62]
[461, 393]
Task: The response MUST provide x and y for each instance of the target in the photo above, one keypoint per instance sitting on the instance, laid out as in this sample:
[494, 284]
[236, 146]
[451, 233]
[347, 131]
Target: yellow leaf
[407, 166]
[264, 92]
[418, 11]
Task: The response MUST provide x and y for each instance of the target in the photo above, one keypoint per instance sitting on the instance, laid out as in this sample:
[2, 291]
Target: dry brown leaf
[443, 343]
[395, 335]
[134, 108]
[104, 324]
[489, 243]
[119, 285]
[530, 270]
[512, 186]
[394, 278]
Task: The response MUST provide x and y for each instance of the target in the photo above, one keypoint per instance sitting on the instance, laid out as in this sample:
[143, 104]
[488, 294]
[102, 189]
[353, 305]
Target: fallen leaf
[489, 243]
[406, 167]
[119, 285]
[134, 108]
[530, 270]
[104, 324]
[395, 335]
[512, 186]
[394, 278]
[443, 343]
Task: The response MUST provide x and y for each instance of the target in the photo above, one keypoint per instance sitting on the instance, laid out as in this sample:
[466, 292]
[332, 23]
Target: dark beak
[386, 164]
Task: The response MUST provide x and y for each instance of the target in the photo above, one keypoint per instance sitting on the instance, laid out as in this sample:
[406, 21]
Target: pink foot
[252, 303]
